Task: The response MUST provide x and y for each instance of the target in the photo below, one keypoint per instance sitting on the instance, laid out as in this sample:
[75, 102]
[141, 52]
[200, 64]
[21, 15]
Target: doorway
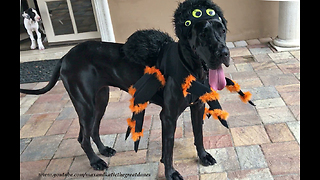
[68, 20]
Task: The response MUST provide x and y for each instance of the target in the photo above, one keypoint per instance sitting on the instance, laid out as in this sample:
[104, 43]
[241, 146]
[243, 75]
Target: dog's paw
[41, 47]
[99, 165]
[107, 151]
[33, 46]
[207, 160]
[173, 175]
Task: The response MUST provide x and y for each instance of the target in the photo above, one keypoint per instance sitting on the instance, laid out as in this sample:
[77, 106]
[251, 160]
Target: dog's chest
[30, 25]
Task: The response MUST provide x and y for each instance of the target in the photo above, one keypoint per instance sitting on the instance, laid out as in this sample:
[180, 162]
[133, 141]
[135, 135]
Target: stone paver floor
[263, 142]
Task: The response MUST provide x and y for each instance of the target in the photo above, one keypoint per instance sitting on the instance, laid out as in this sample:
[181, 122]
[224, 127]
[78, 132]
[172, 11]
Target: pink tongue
[217, 79]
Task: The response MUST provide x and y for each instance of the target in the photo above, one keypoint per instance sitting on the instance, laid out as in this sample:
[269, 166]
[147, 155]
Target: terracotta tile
[282, 158]
[184, 148]
[186, 168]
[117, 110]
[43, 117]
[243, 75]
[269, 103]
[249, 135]
[226, 158]
[294, 127]
[220, 141]
[35, 129]
[279, 132]
[67, 113]
[129, 157]
[81, 165]
[253, 41]
[287, 177]
[41, 148]
[288, 88]
[154, 151]
[295, 109]
[32, 169]
[58, 166]
[290, 68]
[296, 54]
[273, 115]
[69, 148]
[237, 107]
[244, 120]
[47, 107]
[127, 145]
[149, 170]
[262, 58]
[250, 83]
[280, 55]
[73, 130]
[280, 79]
[242, 51]
[58, 88]
[59, 127]
[220, 176]
[266, 68]
[49, 98]
[251, 174]
[212, 127]
[156, 134]
[251, 157]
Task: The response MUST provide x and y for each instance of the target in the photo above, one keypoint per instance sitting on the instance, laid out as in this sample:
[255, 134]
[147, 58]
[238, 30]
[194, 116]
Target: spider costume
[164, 59]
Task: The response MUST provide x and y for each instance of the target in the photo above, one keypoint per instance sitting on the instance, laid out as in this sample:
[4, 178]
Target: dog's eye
[197, 13]
[187, 23]
[210, 12]
[223, 31]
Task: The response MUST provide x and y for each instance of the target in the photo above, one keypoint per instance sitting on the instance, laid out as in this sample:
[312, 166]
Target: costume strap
[232, 86]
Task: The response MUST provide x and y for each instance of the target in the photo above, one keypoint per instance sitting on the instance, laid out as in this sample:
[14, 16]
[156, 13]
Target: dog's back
[143, 46]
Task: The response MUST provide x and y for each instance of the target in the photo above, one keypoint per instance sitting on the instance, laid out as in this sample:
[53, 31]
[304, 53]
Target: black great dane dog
[89, 68]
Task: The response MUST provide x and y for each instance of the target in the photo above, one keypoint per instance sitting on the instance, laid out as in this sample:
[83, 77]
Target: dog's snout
[225, 52]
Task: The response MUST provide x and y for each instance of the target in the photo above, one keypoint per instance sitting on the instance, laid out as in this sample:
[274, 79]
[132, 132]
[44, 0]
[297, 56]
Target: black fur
[143, 46]
[184, 10]
[31, 14]
[89, 68]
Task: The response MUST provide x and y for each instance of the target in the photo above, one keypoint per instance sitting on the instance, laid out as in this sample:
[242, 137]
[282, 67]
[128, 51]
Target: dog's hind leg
[197, 111]
[82, 98]
[101, 102]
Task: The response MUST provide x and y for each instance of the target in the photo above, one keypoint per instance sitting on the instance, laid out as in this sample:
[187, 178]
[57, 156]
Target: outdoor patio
[263, 142]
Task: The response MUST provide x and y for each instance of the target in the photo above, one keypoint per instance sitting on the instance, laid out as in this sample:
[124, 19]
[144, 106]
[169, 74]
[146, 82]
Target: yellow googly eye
[210, 12]
[187, 23]
[197, 13]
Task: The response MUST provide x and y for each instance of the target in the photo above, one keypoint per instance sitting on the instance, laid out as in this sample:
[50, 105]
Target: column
[104, 20]
[289, 26]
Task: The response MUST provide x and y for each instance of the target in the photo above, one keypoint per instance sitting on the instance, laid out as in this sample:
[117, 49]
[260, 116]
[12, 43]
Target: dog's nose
[225, 52]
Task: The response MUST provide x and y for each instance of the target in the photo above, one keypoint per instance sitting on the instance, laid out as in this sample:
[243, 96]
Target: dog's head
[31, 14]
[202, 25]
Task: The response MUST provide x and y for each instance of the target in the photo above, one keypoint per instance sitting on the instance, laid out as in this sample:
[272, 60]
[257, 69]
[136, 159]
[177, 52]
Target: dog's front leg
[197, 111]
[169, 116]
[39, 41]
[33, 41]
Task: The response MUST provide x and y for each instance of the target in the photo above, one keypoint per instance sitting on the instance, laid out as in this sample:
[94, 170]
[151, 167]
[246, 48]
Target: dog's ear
[220, 13]
[25, 15]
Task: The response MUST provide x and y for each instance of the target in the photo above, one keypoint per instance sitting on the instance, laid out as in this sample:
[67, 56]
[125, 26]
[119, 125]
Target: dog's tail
[50, 85]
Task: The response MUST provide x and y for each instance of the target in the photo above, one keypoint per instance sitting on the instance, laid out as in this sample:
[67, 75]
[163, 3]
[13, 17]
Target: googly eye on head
[187, 23]
[210, 12]
[197, 13]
